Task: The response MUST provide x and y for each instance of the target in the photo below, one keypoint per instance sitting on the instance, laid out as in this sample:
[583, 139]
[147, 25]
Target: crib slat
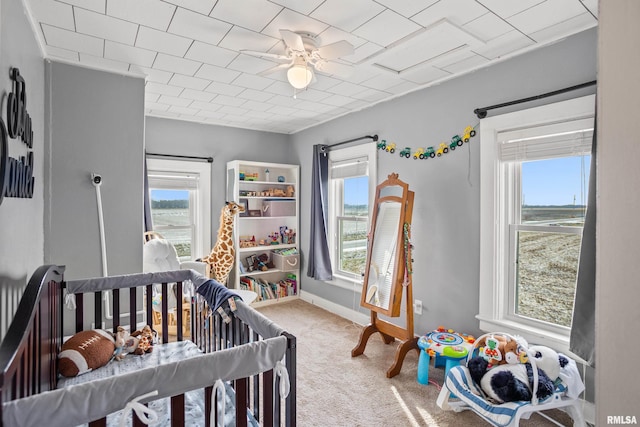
[97, 303]
[99, 423]
[149, 304]
[267, 398]
[241, 402]
[165, 314]
[133, 308]
[179, 311]
[177, 411]
[116, 310]
[208, 391]
[79, 312]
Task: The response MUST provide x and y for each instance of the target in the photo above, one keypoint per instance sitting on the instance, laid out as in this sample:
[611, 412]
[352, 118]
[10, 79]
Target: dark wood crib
[29, 352]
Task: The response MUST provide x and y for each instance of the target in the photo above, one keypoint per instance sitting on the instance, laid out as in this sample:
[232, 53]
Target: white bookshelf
[259, 194]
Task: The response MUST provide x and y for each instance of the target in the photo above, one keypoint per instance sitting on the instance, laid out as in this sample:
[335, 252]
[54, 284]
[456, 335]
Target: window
[179, 194]
[352, 183]
[534, 175]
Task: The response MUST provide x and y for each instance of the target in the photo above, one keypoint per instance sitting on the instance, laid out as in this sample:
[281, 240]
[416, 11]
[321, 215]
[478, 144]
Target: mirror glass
[383, 254]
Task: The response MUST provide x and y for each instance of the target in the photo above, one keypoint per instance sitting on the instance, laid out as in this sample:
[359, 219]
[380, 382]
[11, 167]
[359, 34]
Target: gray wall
[21, 225]
[445, 228]
[166, 136]
[96, 125]
[617, 267]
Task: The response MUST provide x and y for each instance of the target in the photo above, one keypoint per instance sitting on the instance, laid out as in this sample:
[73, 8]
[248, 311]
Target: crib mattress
[162, 354]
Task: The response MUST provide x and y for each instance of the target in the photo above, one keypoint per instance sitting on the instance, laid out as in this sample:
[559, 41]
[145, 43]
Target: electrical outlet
[417, 307]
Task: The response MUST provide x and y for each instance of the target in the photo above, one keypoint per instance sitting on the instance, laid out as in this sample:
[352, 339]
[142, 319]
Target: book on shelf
[270, 290]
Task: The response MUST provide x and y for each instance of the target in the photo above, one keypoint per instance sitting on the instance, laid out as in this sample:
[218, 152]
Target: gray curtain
[582, 339]
[319, 260]
[148, 221]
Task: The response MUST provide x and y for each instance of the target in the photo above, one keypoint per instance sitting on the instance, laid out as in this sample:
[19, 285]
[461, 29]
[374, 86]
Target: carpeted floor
[335, 389]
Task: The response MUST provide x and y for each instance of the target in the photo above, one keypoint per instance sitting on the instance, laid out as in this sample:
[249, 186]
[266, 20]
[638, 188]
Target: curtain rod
[374, 137]
[482, 112]
[176, 156]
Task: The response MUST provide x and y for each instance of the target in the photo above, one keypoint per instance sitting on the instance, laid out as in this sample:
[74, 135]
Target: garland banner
[430, 152]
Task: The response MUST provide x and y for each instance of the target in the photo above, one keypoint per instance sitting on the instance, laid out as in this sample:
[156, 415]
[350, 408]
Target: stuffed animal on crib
[514, 382]
[125, 343]
[146, 338]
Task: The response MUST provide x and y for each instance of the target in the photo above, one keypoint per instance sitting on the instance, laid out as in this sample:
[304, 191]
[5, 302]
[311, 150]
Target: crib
[239, 370]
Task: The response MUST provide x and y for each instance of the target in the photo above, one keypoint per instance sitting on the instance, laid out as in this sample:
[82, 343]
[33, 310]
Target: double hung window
[352, 182]
[534, 172]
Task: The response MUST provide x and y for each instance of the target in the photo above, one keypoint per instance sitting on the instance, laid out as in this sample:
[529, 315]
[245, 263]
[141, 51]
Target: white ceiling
[189, 49]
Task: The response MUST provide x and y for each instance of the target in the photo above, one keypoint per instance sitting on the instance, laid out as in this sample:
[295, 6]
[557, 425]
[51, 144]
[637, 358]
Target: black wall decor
[16, 176]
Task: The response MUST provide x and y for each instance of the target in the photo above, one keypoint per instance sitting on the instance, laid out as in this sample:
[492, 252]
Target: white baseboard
[337, 309]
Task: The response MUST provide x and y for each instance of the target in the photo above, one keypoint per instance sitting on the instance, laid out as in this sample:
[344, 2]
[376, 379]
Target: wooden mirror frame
[390, 331]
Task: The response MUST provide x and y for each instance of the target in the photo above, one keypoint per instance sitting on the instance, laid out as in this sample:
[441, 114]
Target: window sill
[558, 342]
[345, 282]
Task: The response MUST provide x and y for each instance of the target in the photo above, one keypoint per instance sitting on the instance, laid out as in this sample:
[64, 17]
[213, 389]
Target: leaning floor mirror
[388, 269]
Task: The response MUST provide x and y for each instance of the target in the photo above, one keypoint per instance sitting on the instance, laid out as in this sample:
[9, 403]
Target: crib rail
[29, 350]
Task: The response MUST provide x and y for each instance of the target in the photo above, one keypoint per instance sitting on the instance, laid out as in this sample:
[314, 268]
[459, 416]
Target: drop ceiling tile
[239, 38]
[227, 109]
[280, 88]
[302, 6]
[229, 100]
[470, 63]
[183, 110]
[371, 95]
[252, 82]
[151, 13]
[382, 81]
[458, 12]
[105, 27]
[195, 26]
[333, 34]
[592, 5]
[160, 41]
[313, 95]
[258, 114]
[211, 114]
[403, 87]
[256, 106]
[53, 13]
[565, 28]
[173, 100]
[152, 75]
[507, 8]
[125, 53]
[324, 82]
[251, 14]
[210, 54]
[165, 114]
[293, 21]
[250, 64]
[56, 52]
[189, 82]
[101, 63]
[176, 65]
[284, 111]
[233, 118]
[224, 89]
[95, 5]
[487, 27]
[545, 15]
[395, 27]
[206, 106]
[162, 89]
[337, 100]
[356, 105]
[255, 95]
[348, 18]
[200, 6]
[407, 8]
[218, 74]
[504, 45]
[346, 89]
[151, 97]
[197, 95]
[363, 52]
[73, 41]
[425, 75]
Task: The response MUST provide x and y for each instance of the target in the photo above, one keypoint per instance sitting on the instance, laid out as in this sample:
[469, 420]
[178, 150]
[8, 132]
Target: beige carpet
[335, 389]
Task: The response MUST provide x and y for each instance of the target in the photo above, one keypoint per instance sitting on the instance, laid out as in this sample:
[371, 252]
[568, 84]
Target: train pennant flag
[429, 152]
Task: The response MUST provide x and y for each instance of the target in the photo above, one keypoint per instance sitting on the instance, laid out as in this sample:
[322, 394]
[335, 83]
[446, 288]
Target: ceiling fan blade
[292, 40]
[336, 50]
[265, 54]
[334, 68]
[274, 69]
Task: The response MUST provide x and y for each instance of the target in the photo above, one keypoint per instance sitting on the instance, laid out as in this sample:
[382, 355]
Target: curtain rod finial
[480, 113]
[375, 138]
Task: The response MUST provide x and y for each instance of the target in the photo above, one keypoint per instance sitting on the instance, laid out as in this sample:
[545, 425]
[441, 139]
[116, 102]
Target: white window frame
[201, 244]
[369, 151]
[494, 298]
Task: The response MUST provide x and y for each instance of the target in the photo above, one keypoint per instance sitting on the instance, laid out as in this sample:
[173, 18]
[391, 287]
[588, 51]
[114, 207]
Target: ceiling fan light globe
[299, 76]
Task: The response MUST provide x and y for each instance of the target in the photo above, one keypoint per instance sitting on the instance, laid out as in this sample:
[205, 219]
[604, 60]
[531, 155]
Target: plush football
[85, 351]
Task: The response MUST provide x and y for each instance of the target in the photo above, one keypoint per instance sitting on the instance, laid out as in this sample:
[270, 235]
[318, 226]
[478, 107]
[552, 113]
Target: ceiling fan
[303, 55]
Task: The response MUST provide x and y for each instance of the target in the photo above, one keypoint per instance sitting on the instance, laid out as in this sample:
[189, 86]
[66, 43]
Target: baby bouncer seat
[460, 392]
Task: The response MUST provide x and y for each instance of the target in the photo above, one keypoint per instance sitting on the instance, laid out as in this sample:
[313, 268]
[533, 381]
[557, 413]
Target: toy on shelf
[287, 235]
[442, 344]
[274, 238]
[281, 178]
[266, 175]
[248, 242]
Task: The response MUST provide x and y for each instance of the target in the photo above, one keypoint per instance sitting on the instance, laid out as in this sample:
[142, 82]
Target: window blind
[349, 168]
[545, 142]
[173, 180]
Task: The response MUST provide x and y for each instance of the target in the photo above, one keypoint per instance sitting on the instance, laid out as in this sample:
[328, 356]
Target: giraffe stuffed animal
[222, 255]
